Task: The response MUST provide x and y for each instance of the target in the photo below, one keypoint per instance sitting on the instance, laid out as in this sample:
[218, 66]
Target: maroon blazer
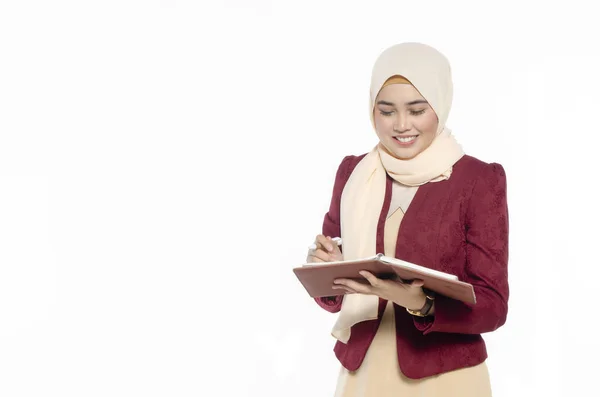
[458, 226]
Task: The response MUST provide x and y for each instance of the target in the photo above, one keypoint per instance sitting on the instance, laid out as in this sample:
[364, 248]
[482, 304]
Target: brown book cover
[317, 278]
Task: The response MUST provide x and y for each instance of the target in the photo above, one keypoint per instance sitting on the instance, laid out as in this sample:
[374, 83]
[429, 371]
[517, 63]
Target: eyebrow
[418, 101]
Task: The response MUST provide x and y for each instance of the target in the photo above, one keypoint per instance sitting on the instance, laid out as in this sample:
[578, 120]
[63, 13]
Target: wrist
[427, 308]
[413, 303]
[417, 303]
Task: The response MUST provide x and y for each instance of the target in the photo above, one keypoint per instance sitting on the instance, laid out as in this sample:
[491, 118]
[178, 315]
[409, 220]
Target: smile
[405, 139]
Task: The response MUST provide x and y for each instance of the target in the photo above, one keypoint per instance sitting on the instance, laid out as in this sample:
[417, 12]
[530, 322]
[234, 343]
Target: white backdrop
[164, 165]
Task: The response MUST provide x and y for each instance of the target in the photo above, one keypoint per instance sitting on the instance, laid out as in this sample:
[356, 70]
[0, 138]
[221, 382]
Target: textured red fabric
[459, 226]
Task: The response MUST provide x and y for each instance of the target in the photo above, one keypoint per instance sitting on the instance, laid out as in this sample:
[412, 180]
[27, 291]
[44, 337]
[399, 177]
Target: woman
[416, 196]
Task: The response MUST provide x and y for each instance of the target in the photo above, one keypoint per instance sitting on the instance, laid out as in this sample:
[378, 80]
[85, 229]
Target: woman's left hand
[407, 295]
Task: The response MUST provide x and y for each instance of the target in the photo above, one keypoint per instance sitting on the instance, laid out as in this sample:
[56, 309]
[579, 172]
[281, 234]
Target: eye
[417, 112]
[384, 113]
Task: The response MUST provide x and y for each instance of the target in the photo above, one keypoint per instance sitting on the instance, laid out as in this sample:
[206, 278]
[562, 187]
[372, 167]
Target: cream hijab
[364, 193]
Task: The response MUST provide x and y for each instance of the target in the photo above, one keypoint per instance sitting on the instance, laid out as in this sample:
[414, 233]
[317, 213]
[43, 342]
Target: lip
[407, 144]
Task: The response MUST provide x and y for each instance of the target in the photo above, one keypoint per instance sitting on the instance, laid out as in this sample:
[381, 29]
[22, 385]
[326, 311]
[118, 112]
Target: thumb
[417, 283]
[337, 253]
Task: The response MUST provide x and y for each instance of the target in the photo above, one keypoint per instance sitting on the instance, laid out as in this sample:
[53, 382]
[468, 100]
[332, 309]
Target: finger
[313, 259]
[344, 288]
[374, 281]
[417, 283]
[323, 242]
[319, 256]
[319, 242]
[355, 285]
[336, 250]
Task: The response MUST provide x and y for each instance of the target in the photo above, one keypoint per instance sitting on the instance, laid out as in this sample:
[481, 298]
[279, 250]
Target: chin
[401, 153]
[405, 154]
[406, 157]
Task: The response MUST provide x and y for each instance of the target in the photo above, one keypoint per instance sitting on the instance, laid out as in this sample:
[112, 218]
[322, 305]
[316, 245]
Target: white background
[164, 165]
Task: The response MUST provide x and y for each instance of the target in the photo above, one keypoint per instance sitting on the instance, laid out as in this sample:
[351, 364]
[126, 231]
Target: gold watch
[424, 312]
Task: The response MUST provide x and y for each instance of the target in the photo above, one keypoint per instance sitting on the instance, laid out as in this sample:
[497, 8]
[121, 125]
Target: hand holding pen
[325, 249]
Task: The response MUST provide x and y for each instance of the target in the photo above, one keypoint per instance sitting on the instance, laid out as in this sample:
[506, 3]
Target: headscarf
[362, 199]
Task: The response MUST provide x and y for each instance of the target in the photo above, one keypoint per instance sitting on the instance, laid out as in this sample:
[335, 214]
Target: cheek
[382, 124]
[429, 126]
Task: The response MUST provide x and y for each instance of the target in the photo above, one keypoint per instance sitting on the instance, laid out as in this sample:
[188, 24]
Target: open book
[317, 278]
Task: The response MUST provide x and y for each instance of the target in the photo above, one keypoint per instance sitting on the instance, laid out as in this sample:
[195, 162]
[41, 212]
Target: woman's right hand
[327, 251]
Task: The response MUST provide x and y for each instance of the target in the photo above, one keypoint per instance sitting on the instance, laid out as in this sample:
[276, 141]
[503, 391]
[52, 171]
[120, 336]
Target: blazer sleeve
[331, 225]
[486, 248]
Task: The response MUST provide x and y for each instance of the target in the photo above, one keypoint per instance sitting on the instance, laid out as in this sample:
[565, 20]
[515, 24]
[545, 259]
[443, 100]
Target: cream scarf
[363, 195]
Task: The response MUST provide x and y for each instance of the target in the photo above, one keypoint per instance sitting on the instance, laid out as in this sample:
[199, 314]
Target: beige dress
[380, 375]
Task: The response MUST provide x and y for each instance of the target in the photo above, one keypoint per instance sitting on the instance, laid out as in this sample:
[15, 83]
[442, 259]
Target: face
[405, 123]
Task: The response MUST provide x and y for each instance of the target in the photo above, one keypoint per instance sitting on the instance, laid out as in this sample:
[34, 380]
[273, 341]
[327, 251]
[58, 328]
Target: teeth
[406, 139]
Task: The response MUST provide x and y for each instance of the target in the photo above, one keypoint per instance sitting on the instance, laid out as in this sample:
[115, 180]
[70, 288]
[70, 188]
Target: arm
[486, 263]
[331, 226]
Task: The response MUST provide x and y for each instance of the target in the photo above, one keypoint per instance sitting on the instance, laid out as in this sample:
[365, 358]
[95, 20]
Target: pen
[336, 240]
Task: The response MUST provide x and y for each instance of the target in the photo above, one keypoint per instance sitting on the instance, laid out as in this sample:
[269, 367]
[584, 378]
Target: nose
[402, 123]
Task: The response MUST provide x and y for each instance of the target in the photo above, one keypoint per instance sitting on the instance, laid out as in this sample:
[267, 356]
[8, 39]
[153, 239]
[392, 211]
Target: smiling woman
[415, 196]
[404, 121]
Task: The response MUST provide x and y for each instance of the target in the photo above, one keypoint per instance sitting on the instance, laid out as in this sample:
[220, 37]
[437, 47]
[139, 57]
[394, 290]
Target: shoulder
[348, 165]
[345, 168]
[482, 185]
[470, 169]
[476, 181]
